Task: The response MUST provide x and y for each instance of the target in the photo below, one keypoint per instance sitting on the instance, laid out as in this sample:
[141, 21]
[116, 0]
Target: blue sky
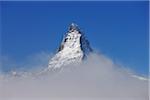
[116, 29]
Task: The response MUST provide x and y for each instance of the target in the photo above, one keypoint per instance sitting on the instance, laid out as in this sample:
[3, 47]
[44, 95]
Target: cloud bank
[98, 78]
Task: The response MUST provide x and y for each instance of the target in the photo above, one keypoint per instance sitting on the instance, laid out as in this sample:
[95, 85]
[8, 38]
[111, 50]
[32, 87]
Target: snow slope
[73, 48]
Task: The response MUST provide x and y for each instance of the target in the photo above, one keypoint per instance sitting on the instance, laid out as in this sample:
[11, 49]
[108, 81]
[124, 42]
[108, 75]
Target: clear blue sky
[117, 29]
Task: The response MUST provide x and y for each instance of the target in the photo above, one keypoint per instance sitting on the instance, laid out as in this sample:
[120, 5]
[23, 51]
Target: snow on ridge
[73, 49]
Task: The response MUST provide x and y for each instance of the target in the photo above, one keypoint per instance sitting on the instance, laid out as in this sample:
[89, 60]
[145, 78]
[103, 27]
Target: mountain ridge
[74, 48]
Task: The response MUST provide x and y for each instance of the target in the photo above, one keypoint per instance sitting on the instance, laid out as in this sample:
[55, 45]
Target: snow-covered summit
[73, 48]
[73, 27]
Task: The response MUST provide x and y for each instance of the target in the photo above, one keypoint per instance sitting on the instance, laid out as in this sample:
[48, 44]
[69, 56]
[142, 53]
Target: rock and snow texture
[73, 49]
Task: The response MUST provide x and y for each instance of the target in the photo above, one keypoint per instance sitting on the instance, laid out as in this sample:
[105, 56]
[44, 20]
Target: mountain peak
[73, 48]
[73, 27]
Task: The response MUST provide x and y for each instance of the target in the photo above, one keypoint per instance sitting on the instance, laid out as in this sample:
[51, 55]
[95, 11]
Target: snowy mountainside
[73, 48]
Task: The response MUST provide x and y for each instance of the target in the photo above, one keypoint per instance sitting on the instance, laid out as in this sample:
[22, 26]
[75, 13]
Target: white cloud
[98, 78]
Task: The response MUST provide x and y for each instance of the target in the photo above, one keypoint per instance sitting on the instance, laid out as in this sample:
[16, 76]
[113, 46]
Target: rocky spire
[73, 48]
[73, 27]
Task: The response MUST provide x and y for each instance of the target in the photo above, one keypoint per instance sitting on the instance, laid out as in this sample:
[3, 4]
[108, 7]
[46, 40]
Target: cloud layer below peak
[98, 78]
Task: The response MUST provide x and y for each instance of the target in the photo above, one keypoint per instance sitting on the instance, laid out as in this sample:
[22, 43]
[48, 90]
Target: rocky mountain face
[73, 49]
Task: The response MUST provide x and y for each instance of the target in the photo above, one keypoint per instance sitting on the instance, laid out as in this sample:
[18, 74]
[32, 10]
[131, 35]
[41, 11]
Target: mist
[97, 78]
